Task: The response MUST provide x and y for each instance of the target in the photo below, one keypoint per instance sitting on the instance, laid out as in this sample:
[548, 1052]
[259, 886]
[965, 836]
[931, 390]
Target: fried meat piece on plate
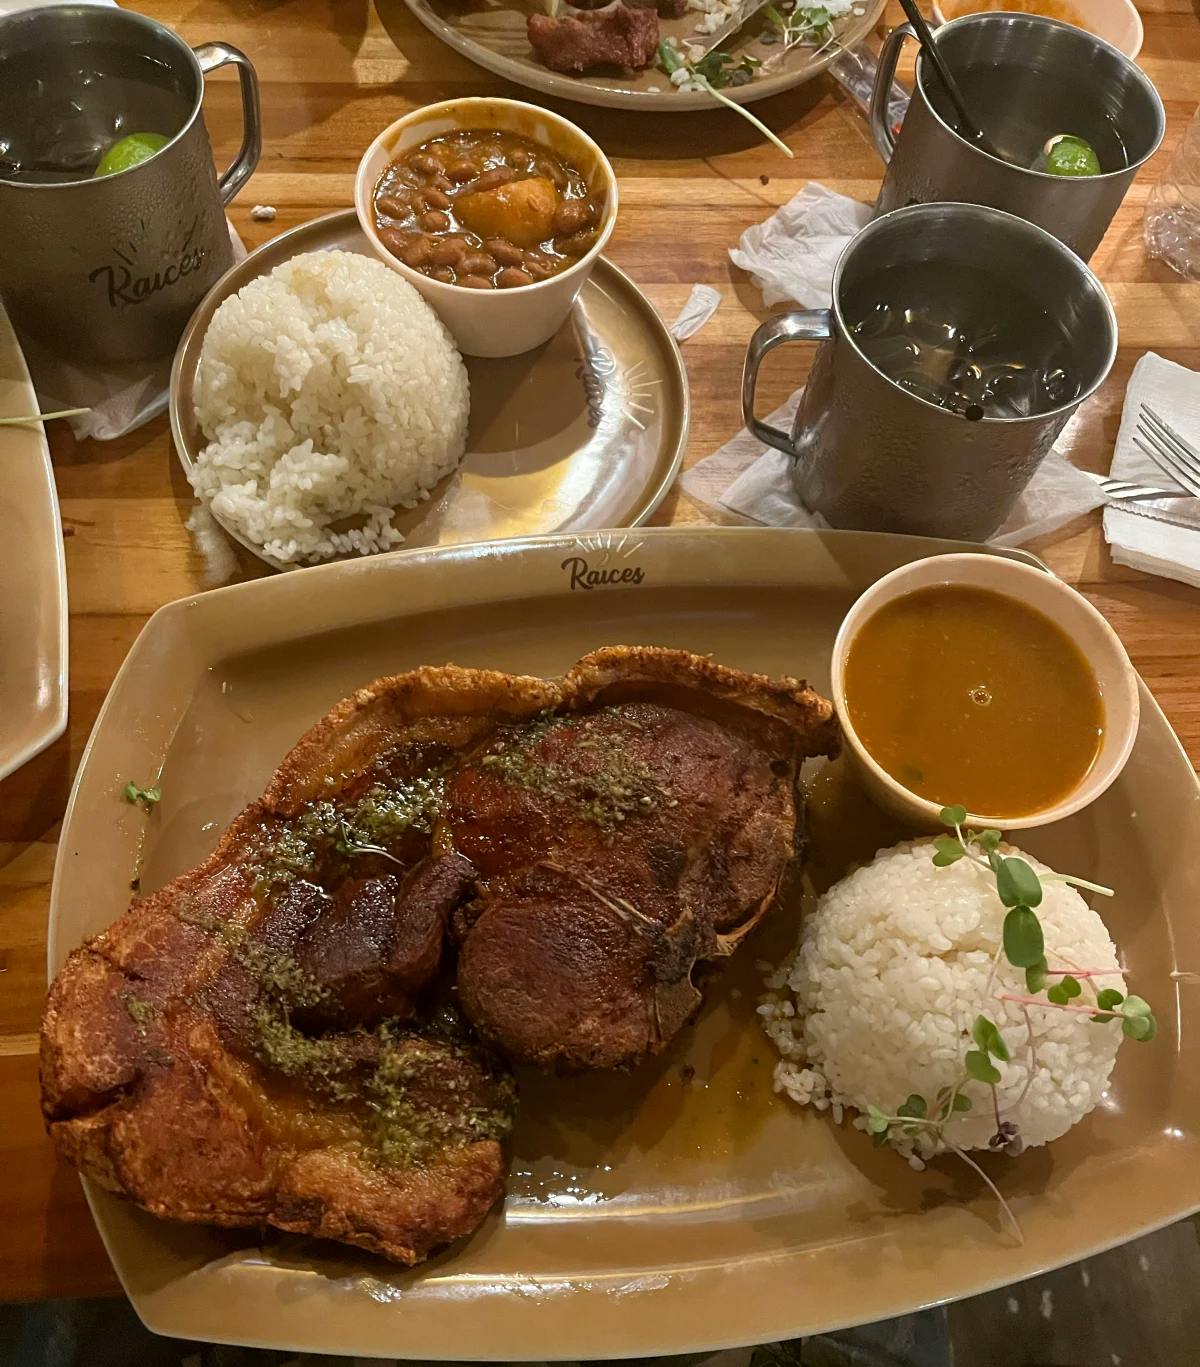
[616, 35]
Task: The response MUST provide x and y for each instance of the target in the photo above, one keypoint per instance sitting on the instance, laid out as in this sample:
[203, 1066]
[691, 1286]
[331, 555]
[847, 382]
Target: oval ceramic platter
[682, 1205]
[33, 574]
[586, 431]
[492, 34]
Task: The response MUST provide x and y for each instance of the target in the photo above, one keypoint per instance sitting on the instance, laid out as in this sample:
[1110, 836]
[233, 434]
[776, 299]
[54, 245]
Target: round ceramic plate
[585, 432]
[33, 574]
[492, 33]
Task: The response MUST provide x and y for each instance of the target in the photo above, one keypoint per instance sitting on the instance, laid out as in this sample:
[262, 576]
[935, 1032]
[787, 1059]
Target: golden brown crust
[396, 707]
[789, 700]
[144, 1085]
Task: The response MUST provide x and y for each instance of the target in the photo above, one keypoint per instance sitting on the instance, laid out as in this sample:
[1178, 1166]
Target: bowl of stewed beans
[494, 210]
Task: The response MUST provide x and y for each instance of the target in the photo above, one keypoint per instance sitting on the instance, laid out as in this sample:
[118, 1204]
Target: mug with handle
[1024, 78]
[876, 452]
[109, 268]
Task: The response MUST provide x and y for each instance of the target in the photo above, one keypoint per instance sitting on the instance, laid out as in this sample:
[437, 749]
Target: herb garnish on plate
[1020, 890]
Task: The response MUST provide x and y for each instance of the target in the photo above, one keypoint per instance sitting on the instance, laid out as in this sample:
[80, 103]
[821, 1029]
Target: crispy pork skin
[278, 1036]
[263, 1041]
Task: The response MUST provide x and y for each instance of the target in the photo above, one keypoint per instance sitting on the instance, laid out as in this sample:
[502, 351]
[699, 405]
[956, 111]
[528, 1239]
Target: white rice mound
[326, 390]
[893, 967]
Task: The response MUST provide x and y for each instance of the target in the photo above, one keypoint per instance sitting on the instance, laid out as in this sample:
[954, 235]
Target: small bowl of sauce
[1116, 21]
[979, 681]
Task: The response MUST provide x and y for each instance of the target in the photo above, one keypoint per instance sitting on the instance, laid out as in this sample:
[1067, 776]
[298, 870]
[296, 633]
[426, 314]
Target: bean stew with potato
[486, 209]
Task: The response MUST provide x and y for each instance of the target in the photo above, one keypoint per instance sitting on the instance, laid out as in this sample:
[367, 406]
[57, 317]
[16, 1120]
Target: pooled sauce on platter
[968, 696]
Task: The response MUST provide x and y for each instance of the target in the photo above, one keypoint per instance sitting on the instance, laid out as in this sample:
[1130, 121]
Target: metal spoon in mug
[968, 126]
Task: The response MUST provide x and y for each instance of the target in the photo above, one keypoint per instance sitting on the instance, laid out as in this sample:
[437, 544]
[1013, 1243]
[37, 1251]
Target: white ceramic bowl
[1116, 21]
[492, 322]
[1100, 645]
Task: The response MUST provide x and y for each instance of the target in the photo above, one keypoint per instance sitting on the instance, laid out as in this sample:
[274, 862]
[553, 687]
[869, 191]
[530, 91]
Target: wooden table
[332, 75]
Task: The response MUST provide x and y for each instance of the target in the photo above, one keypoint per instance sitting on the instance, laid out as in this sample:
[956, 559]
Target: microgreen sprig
[144, 797]
[1020, 890]
[1023, 944]
[348, 843]
[714, 70]
[717, 68]
[913, 1116]
[801, 24]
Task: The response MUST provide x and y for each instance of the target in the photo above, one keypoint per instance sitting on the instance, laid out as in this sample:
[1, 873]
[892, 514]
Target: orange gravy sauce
[968, 696]
[1049, 9]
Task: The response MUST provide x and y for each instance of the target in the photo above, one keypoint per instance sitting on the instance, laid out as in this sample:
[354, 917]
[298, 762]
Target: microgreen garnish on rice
[1019, 888]
[983, 970]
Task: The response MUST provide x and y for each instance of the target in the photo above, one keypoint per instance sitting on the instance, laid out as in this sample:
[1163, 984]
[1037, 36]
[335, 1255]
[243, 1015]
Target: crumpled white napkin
[118, 398]
[698, 308]
[1164, 539]
[754, 482]
[792, 254]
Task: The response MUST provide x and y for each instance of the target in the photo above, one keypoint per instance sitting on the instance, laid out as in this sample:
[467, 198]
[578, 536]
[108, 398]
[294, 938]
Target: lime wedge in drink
[1066, 155]
[130, 151]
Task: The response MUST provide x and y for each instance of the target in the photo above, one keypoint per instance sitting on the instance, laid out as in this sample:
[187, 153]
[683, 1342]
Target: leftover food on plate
[966, 694]
[358, 406]
[486, 209]
[627, 34]
[453, 869]
[617, 34]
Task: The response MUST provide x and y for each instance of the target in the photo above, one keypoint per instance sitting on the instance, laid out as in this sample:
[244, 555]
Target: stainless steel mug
[1025, 79]
[110, 268]
[874, 451]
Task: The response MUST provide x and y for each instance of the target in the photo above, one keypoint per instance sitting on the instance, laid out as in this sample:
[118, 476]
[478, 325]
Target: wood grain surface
[333, 73]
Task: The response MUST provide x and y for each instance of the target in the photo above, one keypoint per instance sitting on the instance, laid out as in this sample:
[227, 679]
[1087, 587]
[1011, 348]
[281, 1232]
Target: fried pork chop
[627, 838]
[274, 1038]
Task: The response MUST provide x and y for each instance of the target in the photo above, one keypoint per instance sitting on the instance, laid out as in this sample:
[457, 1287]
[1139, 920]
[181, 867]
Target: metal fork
[1168, 450]
[1127, 491]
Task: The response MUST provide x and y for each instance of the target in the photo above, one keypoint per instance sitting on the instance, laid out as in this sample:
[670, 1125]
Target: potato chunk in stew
[521, 212]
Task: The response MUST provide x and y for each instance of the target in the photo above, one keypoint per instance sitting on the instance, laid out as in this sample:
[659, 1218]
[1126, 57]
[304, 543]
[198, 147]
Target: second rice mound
[895, 964]
[329, 393]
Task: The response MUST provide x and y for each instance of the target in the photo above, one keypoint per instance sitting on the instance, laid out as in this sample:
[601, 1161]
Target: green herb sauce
[409, 1084]
[413, 1114]
[141, 1012]
[616, 785]
[327, 831]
